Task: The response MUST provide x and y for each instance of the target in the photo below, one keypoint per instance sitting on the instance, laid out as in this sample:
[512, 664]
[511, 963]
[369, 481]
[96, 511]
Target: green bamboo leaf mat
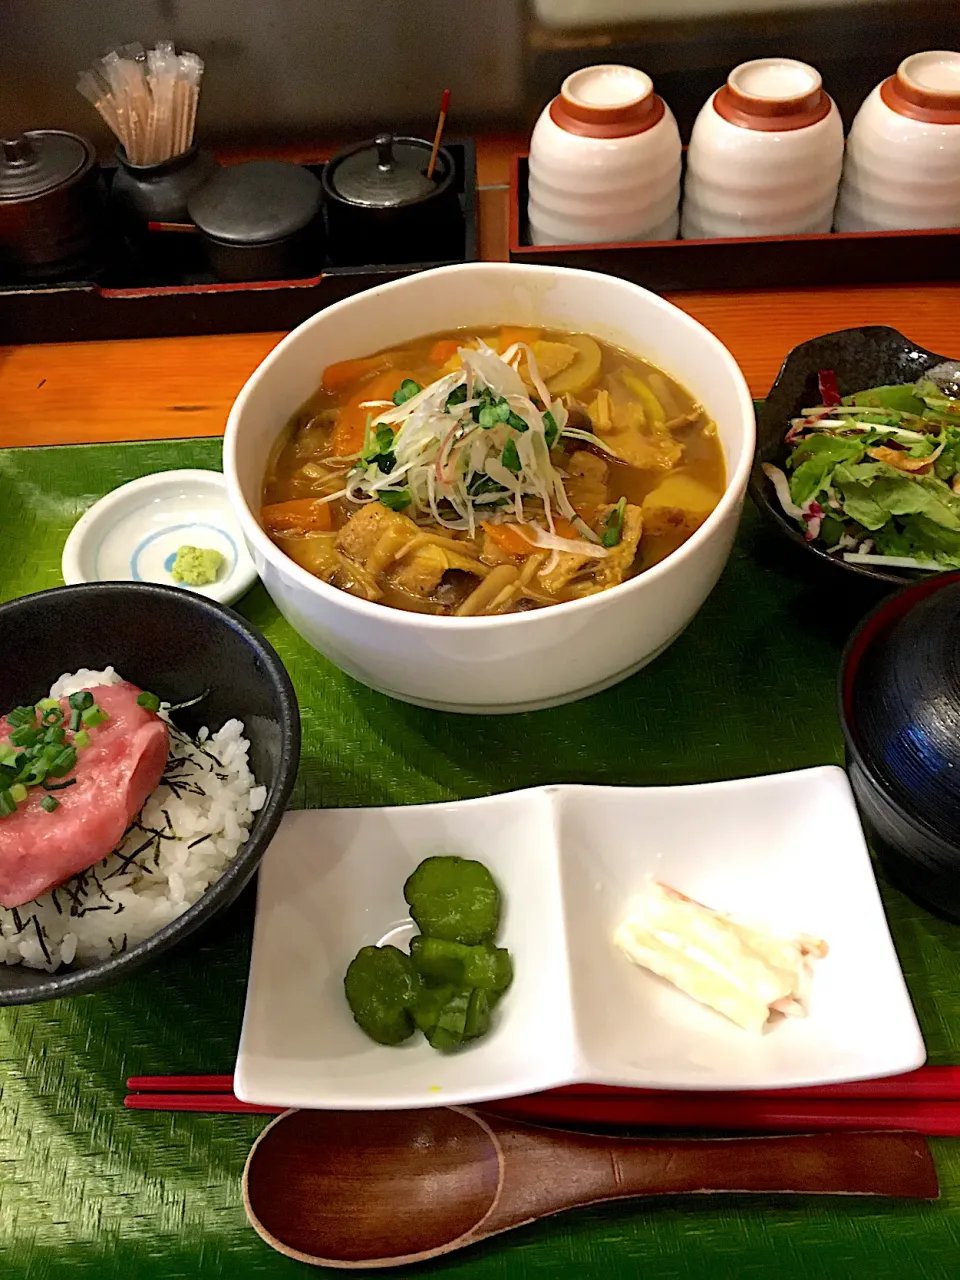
[88, 1190]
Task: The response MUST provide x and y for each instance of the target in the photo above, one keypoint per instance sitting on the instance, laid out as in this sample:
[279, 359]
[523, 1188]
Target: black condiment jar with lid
[382, 207]
[261, 220]
[51, 207]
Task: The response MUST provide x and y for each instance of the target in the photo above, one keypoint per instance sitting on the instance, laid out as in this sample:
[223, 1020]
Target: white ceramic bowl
[523, 661]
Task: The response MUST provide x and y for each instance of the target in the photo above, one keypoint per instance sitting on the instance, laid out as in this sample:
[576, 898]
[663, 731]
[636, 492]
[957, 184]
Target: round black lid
[256, 202]
[385, 173]
[36, 162]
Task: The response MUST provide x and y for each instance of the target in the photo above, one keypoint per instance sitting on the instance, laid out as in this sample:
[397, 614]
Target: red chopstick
[705, 1111]
[218, 1102]
[181, 1084]
[927, 1083]
[927, 1101]
[738, 1112]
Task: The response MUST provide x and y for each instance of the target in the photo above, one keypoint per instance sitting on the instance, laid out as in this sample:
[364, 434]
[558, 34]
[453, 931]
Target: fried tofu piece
[648, 452]
[421, 572]
[586, 483]
[360, 535]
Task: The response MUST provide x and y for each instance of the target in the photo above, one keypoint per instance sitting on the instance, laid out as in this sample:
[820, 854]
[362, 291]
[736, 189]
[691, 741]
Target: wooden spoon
[378, 1189]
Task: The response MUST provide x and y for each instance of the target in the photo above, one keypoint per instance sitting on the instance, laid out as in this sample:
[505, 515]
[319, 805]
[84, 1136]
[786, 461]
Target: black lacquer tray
[165, 289]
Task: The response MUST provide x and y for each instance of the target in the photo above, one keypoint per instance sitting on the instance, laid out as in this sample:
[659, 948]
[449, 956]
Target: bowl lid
[901, 700]
[386, 173]
[39, 161]
[255, 202]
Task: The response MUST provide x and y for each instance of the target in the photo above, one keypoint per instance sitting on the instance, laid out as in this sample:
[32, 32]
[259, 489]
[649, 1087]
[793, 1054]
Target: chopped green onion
[49, 804]
[395, 499]
[406, 391]
[58, 786]
[93, 716]
[21, 716]
[488, 416]
[613, 525]
[149, 701]
[55, 735]
[24, 737]
[503, 411]
[47, 704]
[457, 396]
[80, 701]
[63, 763]
[74, 720]
[81, 739]
[550, 428]
[7, 753]
[7, 804]
[510, 457]
[51, 717]
[19, 792]
[515, 421]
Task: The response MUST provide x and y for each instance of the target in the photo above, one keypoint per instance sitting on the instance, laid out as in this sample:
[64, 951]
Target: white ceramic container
[902, 168]
[604, 162]
[786, 850]
[765, 155]
[514, 662]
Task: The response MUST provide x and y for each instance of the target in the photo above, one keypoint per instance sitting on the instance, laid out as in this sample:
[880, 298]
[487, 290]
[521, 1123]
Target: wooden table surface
[63, 393]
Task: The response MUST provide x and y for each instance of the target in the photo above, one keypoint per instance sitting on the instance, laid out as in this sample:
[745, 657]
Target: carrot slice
[509, 538]
[352, 421]
[443, 350]
[338, 376]
[511, 333]
[299, 515]
[514, 540]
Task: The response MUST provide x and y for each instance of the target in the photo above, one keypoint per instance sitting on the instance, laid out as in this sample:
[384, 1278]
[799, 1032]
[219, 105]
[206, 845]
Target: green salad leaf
[813, 462]
[901, 396]
[872, 492]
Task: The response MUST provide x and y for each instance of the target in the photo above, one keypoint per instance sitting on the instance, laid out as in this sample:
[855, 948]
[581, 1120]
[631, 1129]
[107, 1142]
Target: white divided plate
[134, 533]
[787, 849]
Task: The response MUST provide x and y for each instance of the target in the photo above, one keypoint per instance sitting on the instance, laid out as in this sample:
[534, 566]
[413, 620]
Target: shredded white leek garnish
[470, 446]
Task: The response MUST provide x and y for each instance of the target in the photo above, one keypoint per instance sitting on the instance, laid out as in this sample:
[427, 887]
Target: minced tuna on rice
[181, 841]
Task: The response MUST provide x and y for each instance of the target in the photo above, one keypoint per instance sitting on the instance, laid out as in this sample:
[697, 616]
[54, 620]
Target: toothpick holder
[144, 193]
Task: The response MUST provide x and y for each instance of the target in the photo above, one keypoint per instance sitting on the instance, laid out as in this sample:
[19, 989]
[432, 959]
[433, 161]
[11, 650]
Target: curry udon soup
[466, 474]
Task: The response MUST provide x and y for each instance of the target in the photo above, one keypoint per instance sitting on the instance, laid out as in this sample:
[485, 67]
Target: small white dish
[134, 533]
[787, 849]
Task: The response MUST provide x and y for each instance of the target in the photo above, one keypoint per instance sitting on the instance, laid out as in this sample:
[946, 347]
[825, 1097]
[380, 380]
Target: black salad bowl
[900, 710]
[179, 646]
[871, 356]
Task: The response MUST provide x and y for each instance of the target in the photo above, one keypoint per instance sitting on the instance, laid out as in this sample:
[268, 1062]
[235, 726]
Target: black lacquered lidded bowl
[261, 221]
[900, 709]
[50, 205]
[382, 207]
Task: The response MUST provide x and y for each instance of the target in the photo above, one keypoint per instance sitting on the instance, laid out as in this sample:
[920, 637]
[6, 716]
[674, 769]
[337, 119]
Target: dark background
[310, 70]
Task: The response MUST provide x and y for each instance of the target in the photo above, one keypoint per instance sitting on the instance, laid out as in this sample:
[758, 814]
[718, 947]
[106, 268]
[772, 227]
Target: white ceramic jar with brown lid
[902, 169]
[604, 162]
[765, 155]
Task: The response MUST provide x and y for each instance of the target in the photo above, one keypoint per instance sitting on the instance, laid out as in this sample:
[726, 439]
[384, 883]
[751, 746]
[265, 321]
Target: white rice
[182, 840]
